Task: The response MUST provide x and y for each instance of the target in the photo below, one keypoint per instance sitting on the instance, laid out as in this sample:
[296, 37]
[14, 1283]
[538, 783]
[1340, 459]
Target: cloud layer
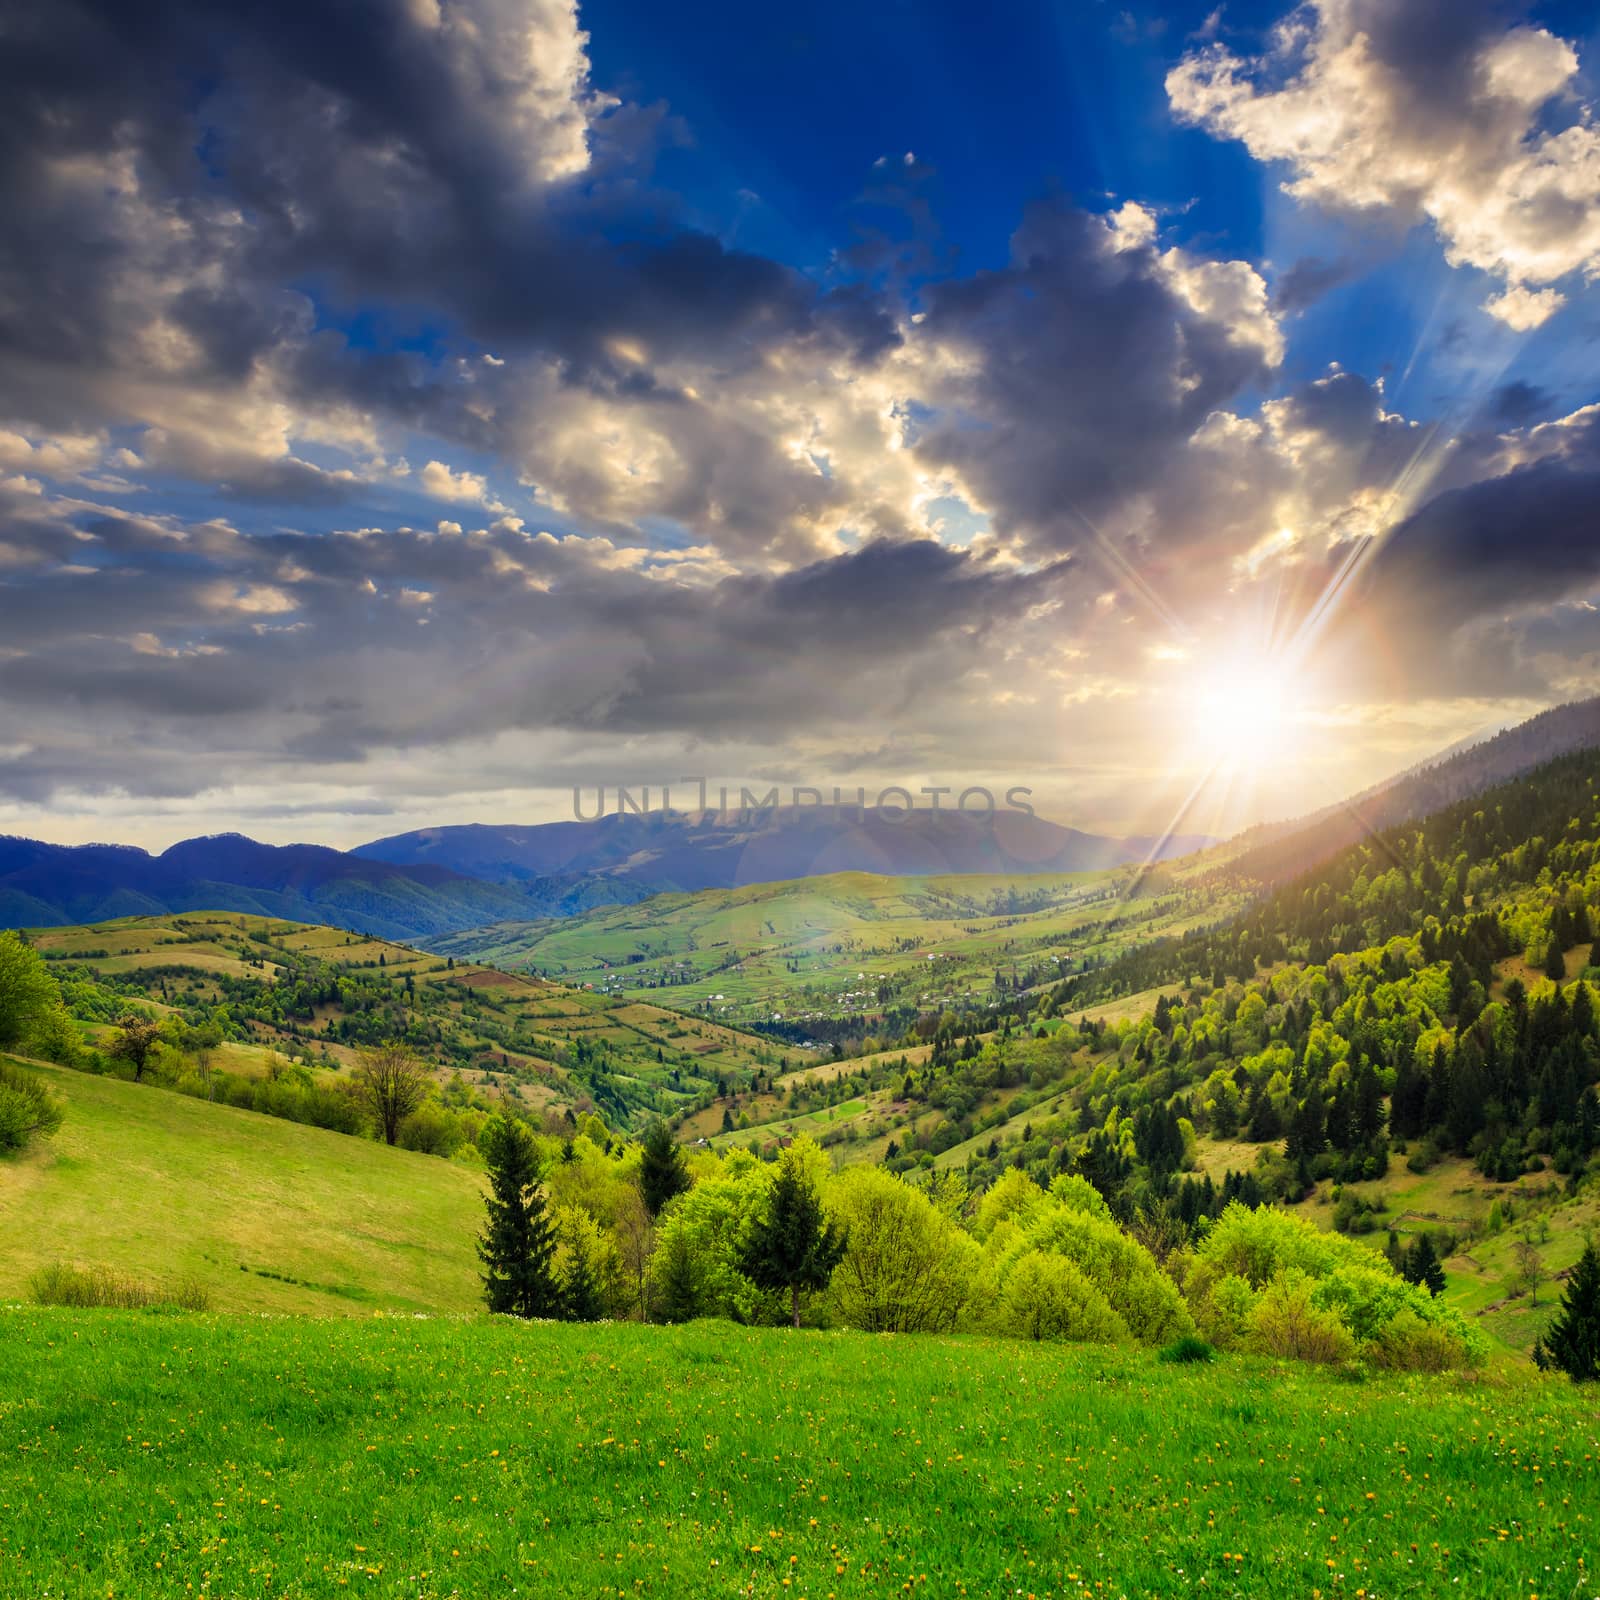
[377, 435]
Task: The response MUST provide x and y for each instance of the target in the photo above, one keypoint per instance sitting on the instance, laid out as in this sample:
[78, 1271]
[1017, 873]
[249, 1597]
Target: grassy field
[268, 1215]
[847, 944]
[154, 1455]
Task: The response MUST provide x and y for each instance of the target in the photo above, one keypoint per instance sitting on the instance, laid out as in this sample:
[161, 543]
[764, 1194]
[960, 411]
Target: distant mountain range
[704, 851]
[44, 885]
[440, 881]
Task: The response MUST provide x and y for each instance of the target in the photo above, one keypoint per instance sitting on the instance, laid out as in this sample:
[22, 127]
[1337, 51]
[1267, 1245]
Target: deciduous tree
[27, 991]
[136, 1041]
[393, 1083]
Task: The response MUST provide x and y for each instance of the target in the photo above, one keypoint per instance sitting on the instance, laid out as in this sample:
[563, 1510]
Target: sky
[414, 410]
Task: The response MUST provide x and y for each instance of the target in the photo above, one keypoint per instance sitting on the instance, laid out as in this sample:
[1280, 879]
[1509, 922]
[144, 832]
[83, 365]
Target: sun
[1254, 693]
[1247, 715]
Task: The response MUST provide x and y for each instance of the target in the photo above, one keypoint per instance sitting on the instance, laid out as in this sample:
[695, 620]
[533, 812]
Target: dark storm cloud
[1526, 539]
[326, 648]
[356, 145]
[1082, 367]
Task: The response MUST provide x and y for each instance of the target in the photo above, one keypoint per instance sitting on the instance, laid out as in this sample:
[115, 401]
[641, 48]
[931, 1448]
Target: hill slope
[1297, 847]
[268, 1215]
[315, 994]
[843, 950]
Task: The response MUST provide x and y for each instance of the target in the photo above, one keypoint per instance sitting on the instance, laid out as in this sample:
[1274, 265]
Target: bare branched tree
[393, 1083]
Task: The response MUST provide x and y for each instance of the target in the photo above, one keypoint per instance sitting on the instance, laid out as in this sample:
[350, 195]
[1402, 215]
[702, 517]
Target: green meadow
[152, 1455]
[267, 1215]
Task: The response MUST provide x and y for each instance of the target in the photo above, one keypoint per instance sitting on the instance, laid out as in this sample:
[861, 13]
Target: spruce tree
[1572, 1342]
[662, 1173]
[580, 1288]
[1422, 1266]
[517, 1245]
[794, 1246]
[680, 1287]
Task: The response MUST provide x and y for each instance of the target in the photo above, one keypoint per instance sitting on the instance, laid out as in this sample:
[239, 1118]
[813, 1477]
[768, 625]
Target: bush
[27, 1108]
[1422, 1158]
[907, 1267]
[1223, 1310]
[433, 1131]
[1186, 1350]
[1285, 1322]
[100, 1287]
[1409, 1343]
[1046, 1297]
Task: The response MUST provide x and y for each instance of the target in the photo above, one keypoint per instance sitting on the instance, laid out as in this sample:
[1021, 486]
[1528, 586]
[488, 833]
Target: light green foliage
[1014, 1198]
[1259, 1244]
[1285, 1321]
[1273, 1281]
[1017, 1218]
[1119, 1267]
[1076, 1193]
[1045, 1296]
[1223, 1310]
[705, 1231]
[29, 997]
[27, 1108]
[907, 1267]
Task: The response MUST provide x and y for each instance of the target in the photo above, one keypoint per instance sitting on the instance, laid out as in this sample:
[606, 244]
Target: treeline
[645, 1232]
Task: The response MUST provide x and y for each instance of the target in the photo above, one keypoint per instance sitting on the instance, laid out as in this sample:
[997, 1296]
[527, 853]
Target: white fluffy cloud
[1475, 129]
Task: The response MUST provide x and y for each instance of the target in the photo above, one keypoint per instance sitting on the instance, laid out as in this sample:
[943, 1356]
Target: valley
[833, 957]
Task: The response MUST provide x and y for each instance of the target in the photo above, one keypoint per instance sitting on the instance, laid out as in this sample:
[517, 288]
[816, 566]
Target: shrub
[1121, 1269]
[907, 1267]
[1223, 1311]
[100, 1287]
[27, 1108]
[1409, 1343]
[1046, 1297]
[1285, 1322]
[1186, 1350]
[432, 1130]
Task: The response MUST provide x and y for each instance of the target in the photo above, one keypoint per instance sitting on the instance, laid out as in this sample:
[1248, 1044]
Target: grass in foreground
[156, 1455]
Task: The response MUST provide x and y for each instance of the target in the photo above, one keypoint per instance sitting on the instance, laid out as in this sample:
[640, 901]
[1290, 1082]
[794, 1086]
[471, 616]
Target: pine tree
[793, 1246]
[662, 1173]
[1263, 1125]
[1555, 965]
[580, 1287]
[680, 1285]
[1572, 1342]
[517, 1245]
[1422, 1266]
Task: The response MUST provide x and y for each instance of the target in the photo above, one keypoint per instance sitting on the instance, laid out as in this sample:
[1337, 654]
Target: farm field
[852, 944]
[314, 994]
[153, 1455]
